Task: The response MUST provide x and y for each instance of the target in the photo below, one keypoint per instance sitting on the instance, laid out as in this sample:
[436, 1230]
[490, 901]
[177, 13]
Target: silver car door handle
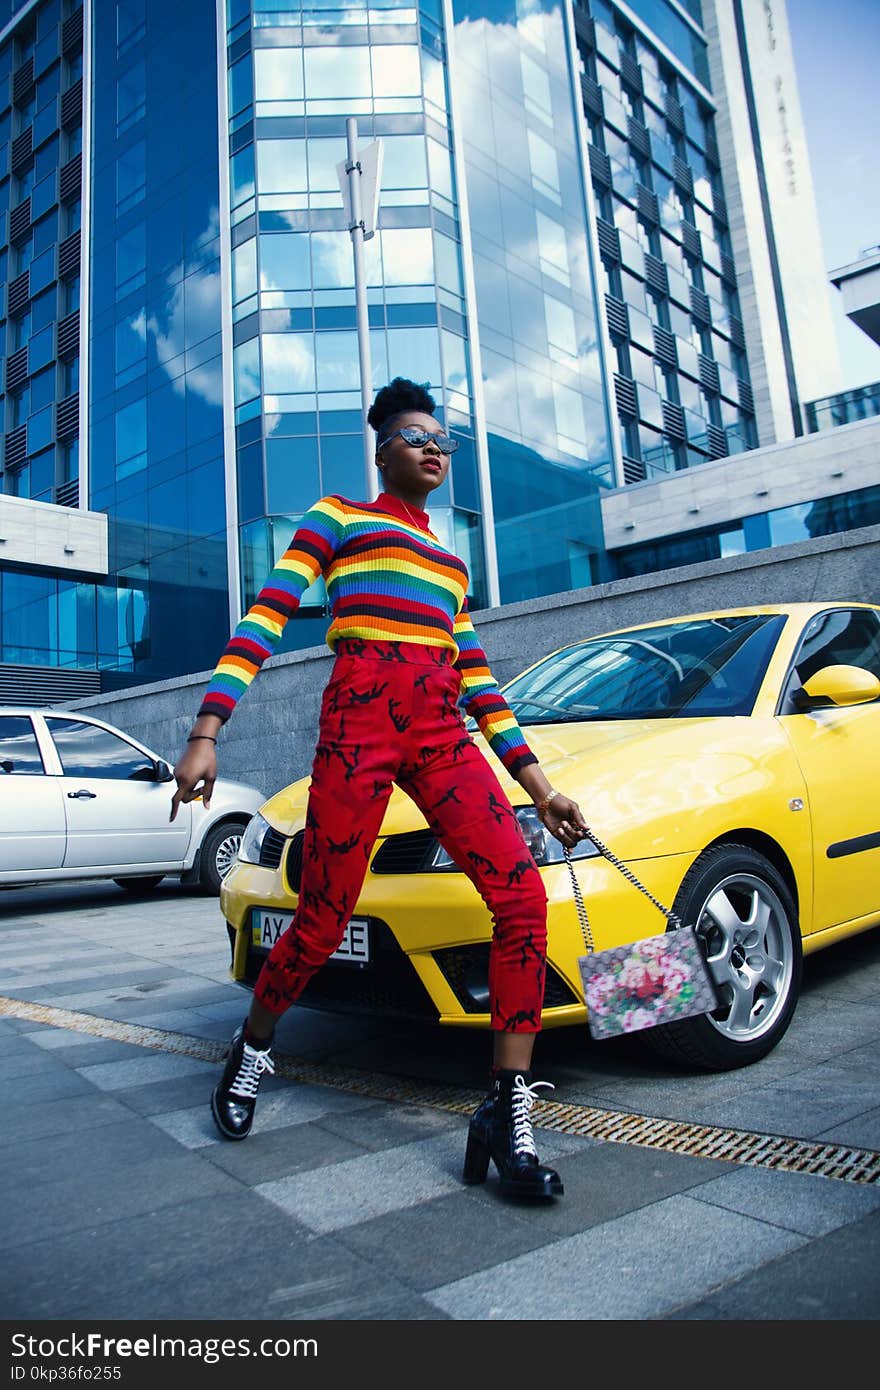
[82, 795]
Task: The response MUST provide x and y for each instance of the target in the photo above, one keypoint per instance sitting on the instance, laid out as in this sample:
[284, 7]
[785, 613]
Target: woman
[406, 656]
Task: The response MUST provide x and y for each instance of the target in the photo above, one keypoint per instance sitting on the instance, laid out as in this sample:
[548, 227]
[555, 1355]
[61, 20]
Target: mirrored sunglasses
[418, 437]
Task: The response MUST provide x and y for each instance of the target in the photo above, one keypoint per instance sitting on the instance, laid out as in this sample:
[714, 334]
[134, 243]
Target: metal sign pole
[358, 236]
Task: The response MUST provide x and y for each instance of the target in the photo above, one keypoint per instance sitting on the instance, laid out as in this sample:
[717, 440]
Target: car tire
[141, 883]
[747, 923]
[219, 848]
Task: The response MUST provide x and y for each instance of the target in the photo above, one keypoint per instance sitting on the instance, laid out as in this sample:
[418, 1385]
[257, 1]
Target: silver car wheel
[748, 943]
[226, 852]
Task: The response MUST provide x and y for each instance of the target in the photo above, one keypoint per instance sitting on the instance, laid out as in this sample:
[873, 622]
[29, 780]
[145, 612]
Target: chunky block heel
[476, 1158]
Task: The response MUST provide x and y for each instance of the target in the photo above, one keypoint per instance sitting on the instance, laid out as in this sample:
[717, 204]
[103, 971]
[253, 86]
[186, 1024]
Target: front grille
[388, 985]
[294, 863]
[271, 849]
[405, 854]
[466, 971]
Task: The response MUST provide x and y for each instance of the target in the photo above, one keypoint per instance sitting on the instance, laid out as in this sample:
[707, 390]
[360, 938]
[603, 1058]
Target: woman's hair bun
[399, 395]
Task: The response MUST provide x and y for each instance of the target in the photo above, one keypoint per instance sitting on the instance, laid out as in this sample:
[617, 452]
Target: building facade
[564, 253]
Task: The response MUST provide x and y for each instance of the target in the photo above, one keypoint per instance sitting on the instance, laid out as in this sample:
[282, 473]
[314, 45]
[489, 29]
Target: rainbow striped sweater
[388, 578]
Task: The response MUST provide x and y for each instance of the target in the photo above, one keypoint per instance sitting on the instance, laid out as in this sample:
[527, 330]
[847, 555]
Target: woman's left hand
[564, 820]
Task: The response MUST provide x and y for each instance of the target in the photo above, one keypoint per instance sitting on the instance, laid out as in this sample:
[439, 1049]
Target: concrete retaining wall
[270, 739]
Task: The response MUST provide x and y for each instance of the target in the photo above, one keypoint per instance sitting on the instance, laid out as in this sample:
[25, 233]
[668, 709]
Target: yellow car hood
[637, 782]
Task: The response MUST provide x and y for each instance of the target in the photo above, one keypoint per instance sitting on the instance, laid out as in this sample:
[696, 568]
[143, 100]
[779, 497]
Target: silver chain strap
[674, 921]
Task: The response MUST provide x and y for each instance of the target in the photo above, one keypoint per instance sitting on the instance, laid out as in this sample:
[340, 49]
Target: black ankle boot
[235, 1099]
[501, 1130]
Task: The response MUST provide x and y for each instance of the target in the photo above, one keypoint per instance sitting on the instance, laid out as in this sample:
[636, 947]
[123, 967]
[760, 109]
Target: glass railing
[844, 408]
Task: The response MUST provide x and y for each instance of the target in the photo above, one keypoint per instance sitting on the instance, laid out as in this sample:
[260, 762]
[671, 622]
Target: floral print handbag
[660, 979]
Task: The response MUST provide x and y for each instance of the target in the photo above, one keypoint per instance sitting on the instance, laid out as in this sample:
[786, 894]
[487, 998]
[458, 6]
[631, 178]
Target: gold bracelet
[544, 804]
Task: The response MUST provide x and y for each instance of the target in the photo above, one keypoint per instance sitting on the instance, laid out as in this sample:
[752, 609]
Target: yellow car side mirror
[842, 685]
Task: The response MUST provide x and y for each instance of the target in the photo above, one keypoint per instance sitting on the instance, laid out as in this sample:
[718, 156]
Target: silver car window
[87, 750]
[19, 750]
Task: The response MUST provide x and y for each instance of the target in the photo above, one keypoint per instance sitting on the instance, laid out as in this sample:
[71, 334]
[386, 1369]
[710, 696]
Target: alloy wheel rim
[747, 938]
[227, 850]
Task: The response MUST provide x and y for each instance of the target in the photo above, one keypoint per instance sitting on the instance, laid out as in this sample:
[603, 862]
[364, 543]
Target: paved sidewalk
[341, 1205]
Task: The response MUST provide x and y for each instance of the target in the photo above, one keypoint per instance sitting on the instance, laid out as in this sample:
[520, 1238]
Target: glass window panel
[395, 70]
[284, 261]
[131, 258]
[408, 256]
[241, 168]
[414, 353]
[241, 92]
[288, 363]
[244, 270]
[131, 438]
[131, 175]
[404, 164]
[281, 166]
[337, 72]
[292, 478]
[332, 262]
[552, 251]
[448, 264]
[544, 165]
[536, 88]
[342, 465]
[323, 157]
[131, 346]
[278, 74]
[569, 407]
[337, 363]
[246, 369]
[559, 319]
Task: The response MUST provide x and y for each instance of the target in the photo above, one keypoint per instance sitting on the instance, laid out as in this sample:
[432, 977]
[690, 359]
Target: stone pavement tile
[382, 1126]
[61, 1083]
[821, 1029]
[833, 1278]
[72, 977]
[31, 1119]
[133, 978]
[26, 1063]
[84, 1049]
[54, 1039]
[230, 1257]
[640, 1266]
[106, 1193]
[149, 1067]
[444, 1238]
[193, 1022]
[264, 1157]
[802, 1106]
[280, 1106]
[119, 1144]
[800, 1202]
[603, 1181]
[862, 1131]
[330, 1198]
[191, 1091]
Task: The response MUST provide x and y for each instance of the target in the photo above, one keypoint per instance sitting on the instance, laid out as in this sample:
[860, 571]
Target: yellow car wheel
[747, 923]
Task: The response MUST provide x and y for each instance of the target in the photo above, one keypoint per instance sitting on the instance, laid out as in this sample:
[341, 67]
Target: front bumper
[430, 936]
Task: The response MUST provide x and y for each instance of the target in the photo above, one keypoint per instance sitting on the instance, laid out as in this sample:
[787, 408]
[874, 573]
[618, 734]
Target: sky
[837, 58]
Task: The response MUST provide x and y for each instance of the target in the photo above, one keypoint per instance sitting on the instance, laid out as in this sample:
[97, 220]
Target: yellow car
[731, 759]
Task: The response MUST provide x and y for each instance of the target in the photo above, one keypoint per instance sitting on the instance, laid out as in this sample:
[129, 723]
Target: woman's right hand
[195, 773]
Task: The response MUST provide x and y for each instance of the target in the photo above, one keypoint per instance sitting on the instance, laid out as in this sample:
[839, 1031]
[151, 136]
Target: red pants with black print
[390, 714]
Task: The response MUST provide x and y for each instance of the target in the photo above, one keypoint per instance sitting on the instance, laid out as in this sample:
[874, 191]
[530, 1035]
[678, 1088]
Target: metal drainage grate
[842, 1162]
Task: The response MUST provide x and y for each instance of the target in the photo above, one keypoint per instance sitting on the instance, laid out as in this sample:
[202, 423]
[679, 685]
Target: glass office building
[552, 258]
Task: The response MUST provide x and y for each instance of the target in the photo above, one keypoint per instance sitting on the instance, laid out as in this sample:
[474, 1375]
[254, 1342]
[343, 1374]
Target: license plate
[354, 949]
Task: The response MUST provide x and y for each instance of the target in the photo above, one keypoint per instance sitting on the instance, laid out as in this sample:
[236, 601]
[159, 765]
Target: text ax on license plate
[354, 949]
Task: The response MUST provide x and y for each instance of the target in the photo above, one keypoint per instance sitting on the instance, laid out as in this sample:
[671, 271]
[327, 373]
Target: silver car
[80, 799]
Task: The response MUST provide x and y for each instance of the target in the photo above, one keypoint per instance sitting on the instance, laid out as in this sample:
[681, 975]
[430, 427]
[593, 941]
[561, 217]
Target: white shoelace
[523, 1098]
[253, 1063]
